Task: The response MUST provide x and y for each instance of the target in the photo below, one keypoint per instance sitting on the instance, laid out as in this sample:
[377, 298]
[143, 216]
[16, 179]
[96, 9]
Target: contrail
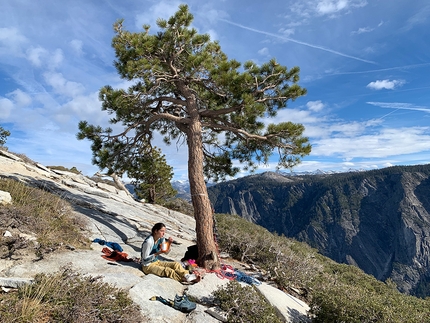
[384, 69]
[399, 106]
[414, 109]
[388, 114]
[297, 41]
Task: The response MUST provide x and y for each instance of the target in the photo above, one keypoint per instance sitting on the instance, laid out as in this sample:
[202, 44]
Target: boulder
[14, 282]
[5, 198]
[288, 308]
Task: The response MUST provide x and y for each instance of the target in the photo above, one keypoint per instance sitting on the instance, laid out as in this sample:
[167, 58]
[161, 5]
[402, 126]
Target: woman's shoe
[192, 278]
[183, 304]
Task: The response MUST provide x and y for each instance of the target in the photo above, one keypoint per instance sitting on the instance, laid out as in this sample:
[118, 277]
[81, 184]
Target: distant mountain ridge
[183, 186]
[378, 220]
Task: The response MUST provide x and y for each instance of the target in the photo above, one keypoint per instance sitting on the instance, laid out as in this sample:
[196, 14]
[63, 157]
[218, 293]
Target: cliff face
[377, 220]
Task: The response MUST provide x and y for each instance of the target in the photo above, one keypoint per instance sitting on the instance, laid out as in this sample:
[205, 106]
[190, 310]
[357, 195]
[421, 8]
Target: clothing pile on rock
[116, 254]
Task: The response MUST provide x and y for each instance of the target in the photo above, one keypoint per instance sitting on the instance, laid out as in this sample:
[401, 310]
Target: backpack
[191, 253]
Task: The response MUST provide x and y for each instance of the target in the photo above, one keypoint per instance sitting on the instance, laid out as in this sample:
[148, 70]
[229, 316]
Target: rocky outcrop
[377, 220]
[113, 215]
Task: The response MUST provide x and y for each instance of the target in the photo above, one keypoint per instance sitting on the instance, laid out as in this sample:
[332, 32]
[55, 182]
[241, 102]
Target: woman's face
[159, 233]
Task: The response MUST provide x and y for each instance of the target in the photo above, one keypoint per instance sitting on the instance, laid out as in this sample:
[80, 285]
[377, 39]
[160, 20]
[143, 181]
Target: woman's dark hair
[157, 226]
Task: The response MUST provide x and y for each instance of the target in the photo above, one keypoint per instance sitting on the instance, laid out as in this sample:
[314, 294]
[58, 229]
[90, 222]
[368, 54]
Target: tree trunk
[118, 182]
[208, 253]
[152, 195]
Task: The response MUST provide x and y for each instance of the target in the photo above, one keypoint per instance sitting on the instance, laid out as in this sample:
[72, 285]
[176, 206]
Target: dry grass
[40, 214]
[62, 168]
[68, 297]
[60, 297]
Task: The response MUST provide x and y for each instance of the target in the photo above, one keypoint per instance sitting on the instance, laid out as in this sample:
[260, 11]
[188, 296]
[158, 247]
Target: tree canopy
[186, 89]
[3, 135]
[151, 177]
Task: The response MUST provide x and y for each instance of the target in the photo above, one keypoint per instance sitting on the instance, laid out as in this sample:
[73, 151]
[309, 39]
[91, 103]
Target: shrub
[25, 158]
[179, 205]
[62, 168]
[345, 294]
[290, 263]
[337, 293]
[244, 304]
[68, 297]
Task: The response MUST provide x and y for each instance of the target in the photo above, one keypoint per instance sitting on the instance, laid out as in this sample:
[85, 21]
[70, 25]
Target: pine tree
[185, 88]
[151, 177]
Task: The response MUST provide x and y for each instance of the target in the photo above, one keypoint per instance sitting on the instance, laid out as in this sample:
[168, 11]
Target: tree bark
[152, 195]
[208, 253]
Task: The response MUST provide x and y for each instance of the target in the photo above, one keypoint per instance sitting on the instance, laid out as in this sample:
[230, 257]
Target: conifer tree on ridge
[186, 89]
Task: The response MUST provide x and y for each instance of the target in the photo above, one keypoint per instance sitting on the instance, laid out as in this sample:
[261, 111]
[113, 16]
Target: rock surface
[114, 216]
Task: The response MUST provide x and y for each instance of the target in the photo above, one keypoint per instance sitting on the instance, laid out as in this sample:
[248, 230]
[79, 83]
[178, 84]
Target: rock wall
[376, 220]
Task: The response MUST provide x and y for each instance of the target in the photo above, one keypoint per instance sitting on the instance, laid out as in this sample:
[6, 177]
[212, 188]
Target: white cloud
[329, 7]
[385, 143]
[17, 100]
[210, 14]
[84, 107]
[348, 129]
[286, 32]
[77, 45]
[11, 41]
[6, 107]
[420, 18]
[296, 116]
[162, 9]
[212, 34]
[264, 52]
[36, 54]
[63, 86]
[385, 84]
[21, 98]
[363, 30]
[369, 50]
[315, 106]
[40, 57]
[56, 59]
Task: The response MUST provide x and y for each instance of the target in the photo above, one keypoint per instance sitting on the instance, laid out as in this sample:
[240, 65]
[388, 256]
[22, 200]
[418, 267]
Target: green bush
[336, 293]
[290, 263]
[179, 205]
[244, 304]
[345, 294]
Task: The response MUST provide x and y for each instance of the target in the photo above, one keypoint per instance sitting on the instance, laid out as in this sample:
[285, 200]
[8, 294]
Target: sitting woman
[151, 249]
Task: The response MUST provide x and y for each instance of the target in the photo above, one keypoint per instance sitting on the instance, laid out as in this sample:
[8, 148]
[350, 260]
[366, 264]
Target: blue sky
[365, 64]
